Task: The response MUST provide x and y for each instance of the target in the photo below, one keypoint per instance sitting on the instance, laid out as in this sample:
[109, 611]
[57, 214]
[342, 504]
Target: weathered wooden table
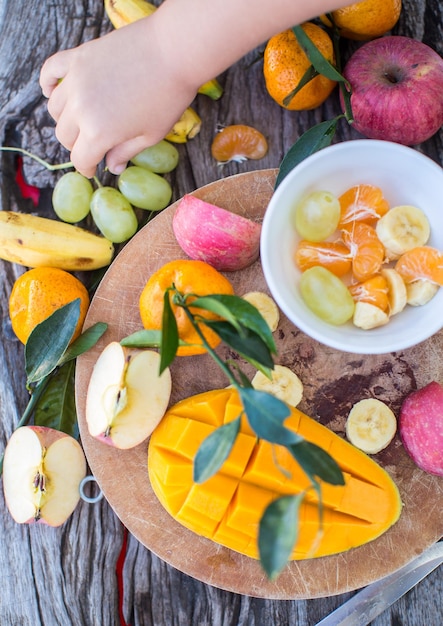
[91, 571]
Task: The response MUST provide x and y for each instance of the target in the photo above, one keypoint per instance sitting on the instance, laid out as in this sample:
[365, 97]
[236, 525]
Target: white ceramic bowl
[406, 177]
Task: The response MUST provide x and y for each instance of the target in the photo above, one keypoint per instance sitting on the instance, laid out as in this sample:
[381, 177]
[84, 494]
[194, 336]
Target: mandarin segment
[373, 290]
[362, 203]
[422, 262]
[366, 250]
[333, 256]
[285, 64]
[238, 142]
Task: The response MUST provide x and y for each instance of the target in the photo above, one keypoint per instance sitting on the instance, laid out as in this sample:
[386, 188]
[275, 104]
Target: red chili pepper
[27, 191]
[119, 573]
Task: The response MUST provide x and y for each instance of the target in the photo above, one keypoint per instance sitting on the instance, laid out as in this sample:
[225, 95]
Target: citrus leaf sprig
[49, 367]
[243, 329]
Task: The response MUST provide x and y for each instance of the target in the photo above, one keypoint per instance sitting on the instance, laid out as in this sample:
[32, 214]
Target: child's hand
[108, 96]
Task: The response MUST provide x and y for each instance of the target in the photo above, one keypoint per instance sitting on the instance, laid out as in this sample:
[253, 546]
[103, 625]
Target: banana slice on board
[397, 294]
[420, 291]
[367, 316]
[284, 385]
[371, 425]
[266, 306]
[402, 228]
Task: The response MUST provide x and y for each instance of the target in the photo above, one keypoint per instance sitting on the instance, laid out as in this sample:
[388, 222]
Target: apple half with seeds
[42, 472]
[126, 396]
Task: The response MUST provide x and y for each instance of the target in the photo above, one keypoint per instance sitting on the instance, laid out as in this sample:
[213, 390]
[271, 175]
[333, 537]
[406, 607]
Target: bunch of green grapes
[141, 185]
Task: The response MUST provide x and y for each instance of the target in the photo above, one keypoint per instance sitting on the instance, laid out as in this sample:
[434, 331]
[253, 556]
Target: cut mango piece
[228, 507]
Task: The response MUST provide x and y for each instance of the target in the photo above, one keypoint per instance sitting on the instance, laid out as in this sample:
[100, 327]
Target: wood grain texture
[67, 575]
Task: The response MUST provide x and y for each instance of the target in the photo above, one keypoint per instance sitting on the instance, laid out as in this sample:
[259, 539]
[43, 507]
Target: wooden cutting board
[333, 382]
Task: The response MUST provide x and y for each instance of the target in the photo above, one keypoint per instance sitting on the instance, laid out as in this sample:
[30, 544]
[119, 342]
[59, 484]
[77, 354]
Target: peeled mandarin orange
[285, 64]
[238, 143]
[367, 19]
[362, 203]
[374, 291]
[333, 256]
[366, 250]
[421, 263]
[39, 292]
[189, 277]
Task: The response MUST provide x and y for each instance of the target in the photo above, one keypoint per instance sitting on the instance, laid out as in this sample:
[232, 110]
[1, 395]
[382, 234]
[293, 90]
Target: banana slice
[420, 291]
[266, 306]
[402, 228]
[371, 425]
[284, 385]
[397, 295]
[367, 316]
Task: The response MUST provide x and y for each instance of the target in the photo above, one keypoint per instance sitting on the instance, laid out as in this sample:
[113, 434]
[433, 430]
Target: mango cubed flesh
[227, 507]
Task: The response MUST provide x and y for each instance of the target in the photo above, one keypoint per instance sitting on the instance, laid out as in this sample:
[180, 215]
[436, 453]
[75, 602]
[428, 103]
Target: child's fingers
[118, 156]
[53, 71]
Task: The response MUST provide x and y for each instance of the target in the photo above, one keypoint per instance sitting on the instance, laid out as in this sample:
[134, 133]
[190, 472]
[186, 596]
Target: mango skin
[227, 508]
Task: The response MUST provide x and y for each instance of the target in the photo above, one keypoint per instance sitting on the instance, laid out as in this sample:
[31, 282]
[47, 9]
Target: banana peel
[123, 12]
[187, 127]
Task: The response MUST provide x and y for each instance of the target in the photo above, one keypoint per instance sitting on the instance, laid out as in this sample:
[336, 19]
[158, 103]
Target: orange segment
[373, 291]
[238, 143]
[362, 203]
[334, 256]
[422, 262]
[366, 250]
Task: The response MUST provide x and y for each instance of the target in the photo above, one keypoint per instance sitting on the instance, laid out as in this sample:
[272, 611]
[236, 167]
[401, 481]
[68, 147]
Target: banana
[266, 306]
[123, 12]
[397, 296]
[35, 241]
[420, 291]
[371, 425]
[367, 316]
[187, 127]
[284, 385]
[401, 229]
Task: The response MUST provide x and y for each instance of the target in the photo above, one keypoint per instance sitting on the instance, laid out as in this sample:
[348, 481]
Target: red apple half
[42, 472]
[397, 90]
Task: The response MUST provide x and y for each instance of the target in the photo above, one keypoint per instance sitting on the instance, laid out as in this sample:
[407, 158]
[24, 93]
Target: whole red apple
[397, 90]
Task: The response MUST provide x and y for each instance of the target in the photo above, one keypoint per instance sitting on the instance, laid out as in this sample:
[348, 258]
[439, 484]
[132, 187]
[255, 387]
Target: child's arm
[124, 91]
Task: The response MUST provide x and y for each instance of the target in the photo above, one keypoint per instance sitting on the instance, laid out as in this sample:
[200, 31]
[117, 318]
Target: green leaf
[49, 340]
[313, 140]
[239, 312]
[85, 342]
[214, 450]
[310, 73]
[248, 344]
[316, 462]
[266, 415]
[169, 336]
[320, 63]
[278, 532]
[143, 339]
[56, 406]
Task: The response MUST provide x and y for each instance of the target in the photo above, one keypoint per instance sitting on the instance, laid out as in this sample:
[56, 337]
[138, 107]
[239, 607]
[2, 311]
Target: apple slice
[42, 471]
[126, 397]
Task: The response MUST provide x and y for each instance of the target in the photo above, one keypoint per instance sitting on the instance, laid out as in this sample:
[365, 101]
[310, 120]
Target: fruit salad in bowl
[352, 246]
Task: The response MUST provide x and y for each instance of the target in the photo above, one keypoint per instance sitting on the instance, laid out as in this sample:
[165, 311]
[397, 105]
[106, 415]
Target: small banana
[266, 306]
[187, 127]
[35, 241]
[401, 229]
[284, 385]
[420, 292]
[123, 12]
[397, 296]
[367, 316]
[371, 425]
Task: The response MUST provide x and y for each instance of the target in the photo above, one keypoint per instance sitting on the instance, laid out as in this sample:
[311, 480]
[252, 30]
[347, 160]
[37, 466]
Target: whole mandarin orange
[367, 19]
[189, 277]
[285, 63]
[39, 292]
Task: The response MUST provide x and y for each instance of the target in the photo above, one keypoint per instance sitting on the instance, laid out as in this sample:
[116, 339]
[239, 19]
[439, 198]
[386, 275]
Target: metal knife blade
[366, 604]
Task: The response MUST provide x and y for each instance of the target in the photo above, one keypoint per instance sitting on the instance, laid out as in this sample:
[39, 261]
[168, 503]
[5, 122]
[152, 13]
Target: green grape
[71, 197]
[160, 158]
[326, 295]
[317, 215]
[144, 189]
[113, 214]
